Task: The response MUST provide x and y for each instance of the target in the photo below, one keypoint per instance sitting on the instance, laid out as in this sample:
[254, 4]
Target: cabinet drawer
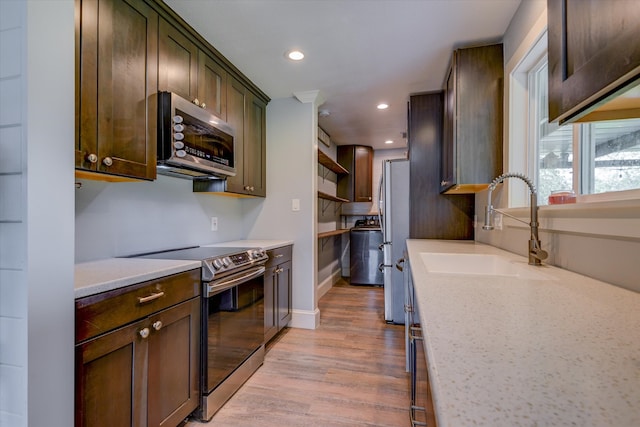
[97, 314]
[278, 256]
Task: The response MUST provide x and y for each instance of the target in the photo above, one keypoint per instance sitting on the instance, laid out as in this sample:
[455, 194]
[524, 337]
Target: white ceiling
[358, 52]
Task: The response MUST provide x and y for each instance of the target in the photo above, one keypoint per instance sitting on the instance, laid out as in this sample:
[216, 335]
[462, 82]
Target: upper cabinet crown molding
[594, 56]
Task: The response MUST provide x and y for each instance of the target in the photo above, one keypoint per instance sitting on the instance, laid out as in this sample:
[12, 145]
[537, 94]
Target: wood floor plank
[348, 372]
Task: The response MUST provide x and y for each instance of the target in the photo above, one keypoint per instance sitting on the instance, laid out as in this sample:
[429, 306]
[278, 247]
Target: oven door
[233, 329]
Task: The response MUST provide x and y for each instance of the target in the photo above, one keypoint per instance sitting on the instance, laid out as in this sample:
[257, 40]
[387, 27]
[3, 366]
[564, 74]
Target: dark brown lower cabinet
[144, 374]
[277, 291]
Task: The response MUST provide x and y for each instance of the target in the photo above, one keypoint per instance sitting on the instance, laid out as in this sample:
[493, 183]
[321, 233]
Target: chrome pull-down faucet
[536, 254]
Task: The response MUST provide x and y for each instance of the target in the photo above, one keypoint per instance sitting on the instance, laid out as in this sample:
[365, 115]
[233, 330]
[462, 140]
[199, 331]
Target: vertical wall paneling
[13, 310]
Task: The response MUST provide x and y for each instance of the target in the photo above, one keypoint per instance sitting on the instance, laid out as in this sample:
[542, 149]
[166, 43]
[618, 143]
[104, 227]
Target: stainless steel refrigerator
[393, 208]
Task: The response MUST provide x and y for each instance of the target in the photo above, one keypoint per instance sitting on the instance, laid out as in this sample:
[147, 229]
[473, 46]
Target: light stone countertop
[505, 351]
[94, 277]
[264, 244]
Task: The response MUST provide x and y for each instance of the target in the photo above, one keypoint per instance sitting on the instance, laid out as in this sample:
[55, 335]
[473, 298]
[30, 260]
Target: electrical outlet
[498, 222]
[214, 223]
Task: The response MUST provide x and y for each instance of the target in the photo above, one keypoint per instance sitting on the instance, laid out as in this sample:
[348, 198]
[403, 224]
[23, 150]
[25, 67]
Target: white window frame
[522, 135]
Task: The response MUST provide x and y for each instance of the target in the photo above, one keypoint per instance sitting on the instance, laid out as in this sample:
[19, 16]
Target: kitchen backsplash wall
[119, 219]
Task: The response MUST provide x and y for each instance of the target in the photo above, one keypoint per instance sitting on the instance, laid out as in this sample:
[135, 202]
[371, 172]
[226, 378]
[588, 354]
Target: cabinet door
[177, 63]
[448, 158]
[255, 147]
[111, 379]
[270, 312]
[593, 52]
[236, 101]
[284, 294]
[116, 89]
[362, 186]
[173, 364]
[212, 86]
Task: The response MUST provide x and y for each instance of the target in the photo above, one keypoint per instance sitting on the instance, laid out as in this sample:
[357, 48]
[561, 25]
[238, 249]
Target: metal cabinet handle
[107, 161]
[92, 158]
[157, 325]
[278, 256]
[279, 270]
[382, 266]
[143, 300]
[400, 264]
[144, 333]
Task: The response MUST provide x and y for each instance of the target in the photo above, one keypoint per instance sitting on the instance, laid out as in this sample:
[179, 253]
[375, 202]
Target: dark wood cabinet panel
[356, 186]
[236, 117]
[278, 291]
[255, 152]
[177, 62]
[116, 49]
[472, 144]
[173, 355]
[593, 54]
[246, 113]
[433, 215]
[144, 370]
[212, 86]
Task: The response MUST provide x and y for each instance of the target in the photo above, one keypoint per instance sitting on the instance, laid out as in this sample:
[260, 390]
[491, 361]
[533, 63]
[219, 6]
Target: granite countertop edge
[94, 277]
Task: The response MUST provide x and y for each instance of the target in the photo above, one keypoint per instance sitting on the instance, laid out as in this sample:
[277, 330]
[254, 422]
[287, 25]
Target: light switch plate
[214, 223]
[295, 205]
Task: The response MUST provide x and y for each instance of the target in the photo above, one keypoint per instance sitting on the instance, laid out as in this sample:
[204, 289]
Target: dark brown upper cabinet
[116, 85]
[356, 186]
[188, 71]
[472, 131]
[594, 58]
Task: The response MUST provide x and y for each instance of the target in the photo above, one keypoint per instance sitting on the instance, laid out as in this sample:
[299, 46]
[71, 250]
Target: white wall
[124, 218]
[36, 213]
[292, 167]
[13, 215]
[599, 239]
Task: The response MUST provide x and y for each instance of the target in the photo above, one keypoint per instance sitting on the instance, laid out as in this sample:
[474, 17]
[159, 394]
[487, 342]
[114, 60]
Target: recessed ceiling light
[295, 55]
[388, 141]
[383, 106]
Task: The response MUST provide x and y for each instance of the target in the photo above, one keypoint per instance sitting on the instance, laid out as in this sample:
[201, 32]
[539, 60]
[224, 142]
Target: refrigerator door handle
[381, 245]
[382, 266]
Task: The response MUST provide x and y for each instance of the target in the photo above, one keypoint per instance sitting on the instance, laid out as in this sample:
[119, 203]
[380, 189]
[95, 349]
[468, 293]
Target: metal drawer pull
[142, 300]
[400, 264]
[157, 325]
[279, 270]
[278, 256]
[144, 333]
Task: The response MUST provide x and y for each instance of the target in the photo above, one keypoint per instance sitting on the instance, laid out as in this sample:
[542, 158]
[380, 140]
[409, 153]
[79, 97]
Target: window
[589, 158]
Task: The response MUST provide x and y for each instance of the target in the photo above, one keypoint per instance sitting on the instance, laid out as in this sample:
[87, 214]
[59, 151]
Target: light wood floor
[350, 371]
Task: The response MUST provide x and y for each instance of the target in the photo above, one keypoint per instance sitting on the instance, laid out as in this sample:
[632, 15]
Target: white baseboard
[305, 319]
[327, 284]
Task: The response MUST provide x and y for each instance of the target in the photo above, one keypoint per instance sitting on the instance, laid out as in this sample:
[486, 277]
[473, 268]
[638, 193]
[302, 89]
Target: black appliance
[365, 253]
[232, 319]
[193, 143]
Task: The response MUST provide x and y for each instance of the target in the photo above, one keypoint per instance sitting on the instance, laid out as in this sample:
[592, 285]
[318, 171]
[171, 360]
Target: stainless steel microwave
[193, 143]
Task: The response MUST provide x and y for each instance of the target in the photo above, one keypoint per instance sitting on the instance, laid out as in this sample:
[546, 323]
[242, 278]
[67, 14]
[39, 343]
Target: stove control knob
[217, 264]
[226, 261]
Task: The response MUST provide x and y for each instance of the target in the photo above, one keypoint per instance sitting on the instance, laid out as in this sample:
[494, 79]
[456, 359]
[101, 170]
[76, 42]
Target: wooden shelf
[330, 164]
[332, 198]
[333, 233]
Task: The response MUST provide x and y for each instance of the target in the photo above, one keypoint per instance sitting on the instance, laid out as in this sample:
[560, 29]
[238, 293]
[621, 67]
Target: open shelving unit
[331, 164]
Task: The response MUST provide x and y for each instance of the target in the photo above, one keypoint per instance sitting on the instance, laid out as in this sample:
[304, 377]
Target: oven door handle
[216, 287]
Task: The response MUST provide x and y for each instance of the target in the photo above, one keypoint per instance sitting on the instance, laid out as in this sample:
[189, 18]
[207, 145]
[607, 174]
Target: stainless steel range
[232, 319]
